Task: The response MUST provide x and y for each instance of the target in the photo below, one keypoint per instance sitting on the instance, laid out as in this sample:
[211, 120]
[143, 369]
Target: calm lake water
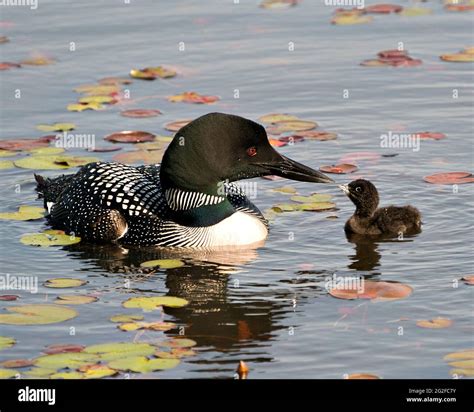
[269, 306]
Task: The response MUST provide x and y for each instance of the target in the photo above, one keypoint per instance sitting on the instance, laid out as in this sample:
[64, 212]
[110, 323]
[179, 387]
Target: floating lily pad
[175, 353]
[430, 135]
[163, 263]
[38, 60]
[113, 81]
[285, 189]
[298, 207]
[140, 113]
[47, 150]
[75, 299]
[6, 342]
[436, 323]
[129, 136]
[276, 117]
[7, 153]
[193, 97]
[6, 164]
[96, 371]
[460, 355]
[80, 107]
[362, 376]
[56, 127]
[178, 343]
[71, 360]
[314, 198]
[148, 157]
[278, 4]
[151, 73]
[17, 363]
[53, 162]
[63, 348]
[8, 298]
[291, 126]
[383, 8]
[26, 144]
[112, 351]
[40, 372]
[458, 57]
[469, 279]
[314, 135]
[97, 99]
[9, 65]
[24, 213]
[376, 291]
[142, 364]
[341, 168]
[178, 124]
[415, 11]
[67, 375]
[98, 89]
[46, 239]
[36, 315]
[126, 318]
[351, 19]
[150, 303]
[7, 373]
[277, 143]
[160, 326]
[450, 178]
[64, 283]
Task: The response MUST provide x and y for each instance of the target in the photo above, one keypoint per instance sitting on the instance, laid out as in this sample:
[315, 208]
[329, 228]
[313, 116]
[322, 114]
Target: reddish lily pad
[341, 168]
[178, 124]
[140, 113]
[393, 54]
[25, 144]
[314, 135]
[436, 323]
[450, 178]
[113, 81]
[384, 8]
[362, 376]
[277, 143]
[8, 298]
[17, 363]
[104, 149]
[9, 65]
[63, 348]
[193, 97]
[469, 279]
[376, 291]
[430, 135]
[129, 136]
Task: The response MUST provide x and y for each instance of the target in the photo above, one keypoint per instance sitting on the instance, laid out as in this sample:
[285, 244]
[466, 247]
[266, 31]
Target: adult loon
[368, 220]
[187, 201]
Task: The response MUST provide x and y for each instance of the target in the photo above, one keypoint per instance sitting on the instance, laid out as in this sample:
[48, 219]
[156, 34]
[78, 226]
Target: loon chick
[368, 220]
[189, 200]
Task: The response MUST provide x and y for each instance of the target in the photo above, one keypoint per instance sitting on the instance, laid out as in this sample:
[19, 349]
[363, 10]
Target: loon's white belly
[238, 229]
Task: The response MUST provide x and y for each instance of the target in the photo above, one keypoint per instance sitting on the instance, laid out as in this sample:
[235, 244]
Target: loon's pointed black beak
[289, 169]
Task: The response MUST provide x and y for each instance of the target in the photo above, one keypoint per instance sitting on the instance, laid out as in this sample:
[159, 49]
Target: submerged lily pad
[64, 283]
[24, 213]
[6, 342]
[163, 263]
[376, 291]
[112, 351]
[142, 364]
[46, 239]
[75, 299]
[126, 318]
[151, 303]
[36, 315]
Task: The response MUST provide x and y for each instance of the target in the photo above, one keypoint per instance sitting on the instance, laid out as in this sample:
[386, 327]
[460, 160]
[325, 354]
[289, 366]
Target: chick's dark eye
[358, 189]
[251, 151]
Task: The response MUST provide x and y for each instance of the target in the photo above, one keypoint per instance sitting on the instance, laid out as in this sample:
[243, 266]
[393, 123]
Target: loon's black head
[363, 194]
[217, 147]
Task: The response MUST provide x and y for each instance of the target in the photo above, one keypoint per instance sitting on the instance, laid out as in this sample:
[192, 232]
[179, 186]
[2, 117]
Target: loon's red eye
[252, 151]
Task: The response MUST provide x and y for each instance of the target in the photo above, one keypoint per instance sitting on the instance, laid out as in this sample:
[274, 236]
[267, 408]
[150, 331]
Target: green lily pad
[7, 373]
[6, 164]
[67, 375]
[75, 299]
[112, 351]
[163, 263]
[36, 315]
[45, 239]
[39, 372]
[24, 213]
[132, 326]
[96, 371]
[150, 303]
[80, 107]
[71, 360]
[64, 283]
[53, 162]
[7, 153]
[6, 342]
[56, 127]
[96, 99]
[314, 198]
[47, 150]
[142, 364]
[125, 318]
